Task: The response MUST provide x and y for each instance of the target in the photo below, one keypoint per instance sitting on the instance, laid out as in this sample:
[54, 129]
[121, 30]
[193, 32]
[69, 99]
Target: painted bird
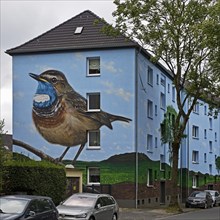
[60, 114]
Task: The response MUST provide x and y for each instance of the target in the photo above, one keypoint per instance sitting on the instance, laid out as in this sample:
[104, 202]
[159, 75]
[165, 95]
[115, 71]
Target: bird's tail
[119, 118]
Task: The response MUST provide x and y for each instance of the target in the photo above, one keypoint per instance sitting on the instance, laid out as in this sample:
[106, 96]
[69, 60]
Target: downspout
[187, 158]
[136, 127]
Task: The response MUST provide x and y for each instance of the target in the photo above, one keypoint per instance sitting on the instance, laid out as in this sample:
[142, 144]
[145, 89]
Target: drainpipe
[136, 127]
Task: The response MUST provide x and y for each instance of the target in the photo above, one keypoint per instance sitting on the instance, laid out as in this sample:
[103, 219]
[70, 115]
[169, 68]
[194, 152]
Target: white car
[88, 206]
[215, 197]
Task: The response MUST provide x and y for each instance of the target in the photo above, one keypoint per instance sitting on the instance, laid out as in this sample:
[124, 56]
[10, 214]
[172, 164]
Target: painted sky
[21, 21]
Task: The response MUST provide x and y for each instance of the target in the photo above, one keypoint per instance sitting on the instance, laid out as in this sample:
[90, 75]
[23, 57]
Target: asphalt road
[161, 214]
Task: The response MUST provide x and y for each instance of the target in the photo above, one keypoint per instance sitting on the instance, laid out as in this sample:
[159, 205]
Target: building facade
[123, 154]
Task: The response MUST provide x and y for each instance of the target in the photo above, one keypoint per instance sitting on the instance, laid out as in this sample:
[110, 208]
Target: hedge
[35, 178]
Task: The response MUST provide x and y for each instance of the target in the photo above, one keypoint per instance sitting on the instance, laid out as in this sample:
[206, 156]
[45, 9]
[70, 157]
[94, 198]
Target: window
[93, 101]
[195, 180]
[155, 110]
[196, 108]
[93, 66]
[93, 175]
[163, 80]
[210, 146]
[168, 88]
[195, 131]
[149, 142]
[150, 109]
[162, 101]
[156, 145]
[149, 177]
[94, 139]
[205, 157]
[205, 110]
[150, 76]
[162, 162]
[210, 123]
[157, 79]
[215, 136]
[78, 30]
[205, 133]
[195, 156]
[173, 93]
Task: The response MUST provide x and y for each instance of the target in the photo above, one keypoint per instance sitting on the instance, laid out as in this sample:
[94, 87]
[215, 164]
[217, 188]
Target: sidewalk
[146, 213]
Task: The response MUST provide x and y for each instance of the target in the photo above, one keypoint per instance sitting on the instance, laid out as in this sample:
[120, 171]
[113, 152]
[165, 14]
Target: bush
[35, 178]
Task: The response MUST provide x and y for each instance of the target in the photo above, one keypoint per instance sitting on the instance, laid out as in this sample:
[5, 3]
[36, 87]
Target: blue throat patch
[45, 95]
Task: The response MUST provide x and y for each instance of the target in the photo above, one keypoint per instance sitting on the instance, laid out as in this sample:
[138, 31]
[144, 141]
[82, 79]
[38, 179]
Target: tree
[217, 163]
[3, 153]
[185, 36]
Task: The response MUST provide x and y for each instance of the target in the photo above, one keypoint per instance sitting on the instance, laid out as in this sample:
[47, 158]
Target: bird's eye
[54, 80]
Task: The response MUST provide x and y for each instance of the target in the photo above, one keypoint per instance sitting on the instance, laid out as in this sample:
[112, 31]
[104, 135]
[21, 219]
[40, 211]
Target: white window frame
[162, 100]
[150, 109]
[195, 181]
[195, 131]
[163, 80]
[150, 78]
[196, 108]
[88, 101]
[89, 169]
[149, 143]
[195, 156]
[89, 68]
[89, 136]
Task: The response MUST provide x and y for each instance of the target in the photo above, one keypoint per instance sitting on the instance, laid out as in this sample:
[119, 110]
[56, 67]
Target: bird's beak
[37, 77]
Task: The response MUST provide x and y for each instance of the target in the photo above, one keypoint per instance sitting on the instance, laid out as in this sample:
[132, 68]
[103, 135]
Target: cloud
[109, 66]
[18, 95]
[120, 92]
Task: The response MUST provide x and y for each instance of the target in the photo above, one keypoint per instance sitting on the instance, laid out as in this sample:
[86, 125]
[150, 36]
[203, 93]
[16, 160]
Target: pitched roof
[63, 37]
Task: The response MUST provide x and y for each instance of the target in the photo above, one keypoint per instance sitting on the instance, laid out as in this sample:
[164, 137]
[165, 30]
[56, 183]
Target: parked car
[200, 199]
[21, 207]
[215, 197]
[89, 206]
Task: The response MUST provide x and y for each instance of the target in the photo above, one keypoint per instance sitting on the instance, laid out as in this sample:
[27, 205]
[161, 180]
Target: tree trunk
[174, 201]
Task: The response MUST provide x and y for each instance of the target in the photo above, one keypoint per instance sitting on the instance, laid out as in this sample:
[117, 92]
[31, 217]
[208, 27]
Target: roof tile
[62, 37]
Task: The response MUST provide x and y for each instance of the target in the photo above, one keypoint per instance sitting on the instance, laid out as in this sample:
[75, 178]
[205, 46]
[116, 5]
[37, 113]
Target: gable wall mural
[45, 81]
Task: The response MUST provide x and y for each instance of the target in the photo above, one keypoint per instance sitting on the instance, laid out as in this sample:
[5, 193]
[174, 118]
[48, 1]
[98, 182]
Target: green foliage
[35, 177]
[217, 163]
[4, 155]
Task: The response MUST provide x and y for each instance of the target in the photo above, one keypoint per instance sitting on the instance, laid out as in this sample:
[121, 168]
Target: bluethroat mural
[60, 114]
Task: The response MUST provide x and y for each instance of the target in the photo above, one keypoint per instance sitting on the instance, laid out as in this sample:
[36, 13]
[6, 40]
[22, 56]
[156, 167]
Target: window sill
[93, 74]
[93, 148]
[93, 184]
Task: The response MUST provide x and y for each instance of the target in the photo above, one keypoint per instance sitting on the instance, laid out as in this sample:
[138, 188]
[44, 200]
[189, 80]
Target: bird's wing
[79, 103]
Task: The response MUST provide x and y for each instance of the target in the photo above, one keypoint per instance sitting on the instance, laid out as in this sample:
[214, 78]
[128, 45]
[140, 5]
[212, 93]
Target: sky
[22, 21]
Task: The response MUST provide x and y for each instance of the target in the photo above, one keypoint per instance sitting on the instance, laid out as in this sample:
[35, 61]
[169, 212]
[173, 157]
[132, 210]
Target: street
[160, 214]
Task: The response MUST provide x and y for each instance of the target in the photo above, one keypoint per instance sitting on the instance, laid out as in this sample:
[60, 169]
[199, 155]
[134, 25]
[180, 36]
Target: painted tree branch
[33, 150]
